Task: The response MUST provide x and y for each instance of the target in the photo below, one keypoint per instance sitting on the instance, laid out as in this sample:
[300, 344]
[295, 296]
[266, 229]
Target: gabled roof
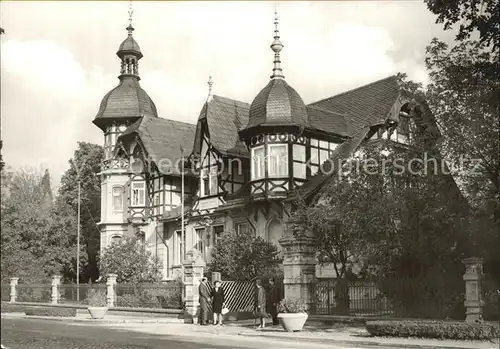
[163, 138]
[225, 117]
[367, 105]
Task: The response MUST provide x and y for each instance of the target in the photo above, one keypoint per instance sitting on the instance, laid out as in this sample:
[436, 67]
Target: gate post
[13, 289]
[193, 273]
[472, 277]
[56, 282]
[110, 292]
[299, 266]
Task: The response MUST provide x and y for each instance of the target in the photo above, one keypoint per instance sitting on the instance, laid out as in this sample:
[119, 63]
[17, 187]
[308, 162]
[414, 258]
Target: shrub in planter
[51, 311]
[434, 329]
[292, 314]
[96, 299]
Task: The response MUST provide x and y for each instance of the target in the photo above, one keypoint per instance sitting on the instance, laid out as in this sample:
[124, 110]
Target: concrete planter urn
[292, 314]
[97, 312]
[292, 322]
[97, 305]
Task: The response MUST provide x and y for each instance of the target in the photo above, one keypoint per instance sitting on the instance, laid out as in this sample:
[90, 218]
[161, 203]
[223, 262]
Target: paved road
[45, 334]
[48, 334]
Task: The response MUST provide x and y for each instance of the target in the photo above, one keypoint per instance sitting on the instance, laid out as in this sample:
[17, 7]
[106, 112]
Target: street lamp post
[78, 248]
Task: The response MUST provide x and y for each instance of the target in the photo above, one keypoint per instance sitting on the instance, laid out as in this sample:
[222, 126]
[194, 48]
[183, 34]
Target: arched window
[116, 239]
[117, 199]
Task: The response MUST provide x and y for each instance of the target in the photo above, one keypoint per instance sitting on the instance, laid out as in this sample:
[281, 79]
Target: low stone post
[193, 272]
[299, 267]
[110, 293]
[472, 277]
[56, 282]
[13, 289]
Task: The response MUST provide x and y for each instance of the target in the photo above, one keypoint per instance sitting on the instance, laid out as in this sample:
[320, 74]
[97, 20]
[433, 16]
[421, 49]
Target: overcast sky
[58, 59]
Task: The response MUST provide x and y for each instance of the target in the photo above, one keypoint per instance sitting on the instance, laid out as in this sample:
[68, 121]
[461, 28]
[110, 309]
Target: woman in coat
[260, 303]
[217, 302]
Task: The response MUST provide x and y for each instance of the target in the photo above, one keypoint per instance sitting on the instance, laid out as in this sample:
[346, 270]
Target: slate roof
[367, 105]
[129, 45]
[125, 101]
[163, 138]
[225, 117]
[277, 103]
[328, 121]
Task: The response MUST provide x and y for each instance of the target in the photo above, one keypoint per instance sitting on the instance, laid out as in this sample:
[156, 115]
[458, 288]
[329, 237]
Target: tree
[401, 225]
[85, 165]
[243, 257]
[130, 261]
[464, 96]
[483, 16]
[36, 240]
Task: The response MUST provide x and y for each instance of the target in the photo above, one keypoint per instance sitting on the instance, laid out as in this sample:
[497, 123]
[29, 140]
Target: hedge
[12, 308]
[434, 329]
[51, 311]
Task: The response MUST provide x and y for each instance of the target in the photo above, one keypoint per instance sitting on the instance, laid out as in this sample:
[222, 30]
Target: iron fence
[411, 298]
[5, 292]
[34, 293]
[353, 299]
[162, 295]
[77, 294]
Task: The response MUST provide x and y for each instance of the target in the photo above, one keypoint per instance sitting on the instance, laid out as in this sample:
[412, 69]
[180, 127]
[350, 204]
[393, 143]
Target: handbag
[224, 311]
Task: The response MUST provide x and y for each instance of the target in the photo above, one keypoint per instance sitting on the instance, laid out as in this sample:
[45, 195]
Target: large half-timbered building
[237, 168]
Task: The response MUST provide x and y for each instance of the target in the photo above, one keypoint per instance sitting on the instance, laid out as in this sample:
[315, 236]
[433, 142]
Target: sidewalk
[350, 336]
[327, 335]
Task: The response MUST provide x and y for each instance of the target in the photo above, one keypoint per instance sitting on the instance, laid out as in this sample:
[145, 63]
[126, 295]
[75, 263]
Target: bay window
[278, 160]
[138, 193]
[299, 161]
[117, 199]
[258, 163]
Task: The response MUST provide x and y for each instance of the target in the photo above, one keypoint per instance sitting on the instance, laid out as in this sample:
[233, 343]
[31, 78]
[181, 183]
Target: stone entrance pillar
[299, 267]
[472, 277]
[193, 272]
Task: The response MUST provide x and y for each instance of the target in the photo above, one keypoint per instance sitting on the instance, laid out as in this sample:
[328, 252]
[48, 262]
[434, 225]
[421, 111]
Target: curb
[93, 321]
[354, 342]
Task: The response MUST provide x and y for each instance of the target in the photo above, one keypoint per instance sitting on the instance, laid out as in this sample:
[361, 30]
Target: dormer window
[209, 181]
[138, 194]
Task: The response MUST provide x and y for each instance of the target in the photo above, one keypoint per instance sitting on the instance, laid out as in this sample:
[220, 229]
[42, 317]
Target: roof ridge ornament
[210, 92]
[277, 46]
[130, 28]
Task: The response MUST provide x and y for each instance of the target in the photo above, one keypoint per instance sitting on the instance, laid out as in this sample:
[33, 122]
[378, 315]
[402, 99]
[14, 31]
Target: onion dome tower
[277, 118]
[127, 102]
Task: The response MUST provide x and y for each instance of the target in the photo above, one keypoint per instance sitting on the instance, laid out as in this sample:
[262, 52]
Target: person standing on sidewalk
[260, 303]
[273, 299]
[204, 294]
[217, 302]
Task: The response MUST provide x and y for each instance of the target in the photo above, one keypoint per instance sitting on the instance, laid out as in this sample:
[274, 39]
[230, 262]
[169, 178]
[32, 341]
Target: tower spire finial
[277, 46]
[210, 84]
[130, 28]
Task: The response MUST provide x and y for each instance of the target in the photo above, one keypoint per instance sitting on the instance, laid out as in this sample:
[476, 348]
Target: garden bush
[434, 329]
[12, 308]
[51, 311]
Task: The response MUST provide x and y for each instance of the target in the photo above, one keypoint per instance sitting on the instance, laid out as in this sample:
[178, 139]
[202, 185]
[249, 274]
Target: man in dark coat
[204, 293]
[273, 299]
[260, 303]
